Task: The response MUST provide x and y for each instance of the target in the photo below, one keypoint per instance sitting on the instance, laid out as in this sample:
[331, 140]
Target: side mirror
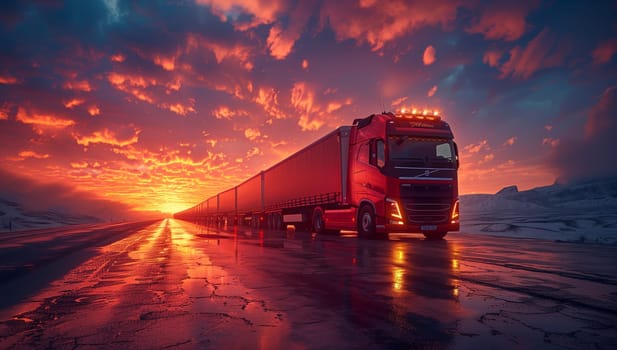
[456, 154]
[381, 154]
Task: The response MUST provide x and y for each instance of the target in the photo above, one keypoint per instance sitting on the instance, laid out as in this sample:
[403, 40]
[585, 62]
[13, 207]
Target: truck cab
[403, 174]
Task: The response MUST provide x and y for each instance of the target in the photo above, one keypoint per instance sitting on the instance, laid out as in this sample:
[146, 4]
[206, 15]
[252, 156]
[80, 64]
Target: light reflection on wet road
[178, 285]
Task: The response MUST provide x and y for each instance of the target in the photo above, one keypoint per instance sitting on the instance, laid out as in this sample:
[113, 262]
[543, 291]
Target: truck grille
[427, 203]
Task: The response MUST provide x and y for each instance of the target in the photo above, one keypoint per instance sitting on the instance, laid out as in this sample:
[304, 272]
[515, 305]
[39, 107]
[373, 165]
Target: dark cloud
[36, 195]
[593, 156]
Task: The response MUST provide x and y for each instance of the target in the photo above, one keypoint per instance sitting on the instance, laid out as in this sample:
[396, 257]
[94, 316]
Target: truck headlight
[392, 209]
[454, 217]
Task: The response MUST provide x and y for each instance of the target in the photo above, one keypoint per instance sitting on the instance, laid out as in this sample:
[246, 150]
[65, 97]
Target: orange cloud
[399, 101]
[602, 117]
[118, 79]
[168, 63]
[94, 110]
[333, 106]
[268, 100]
[32, 154]
[81, 165]
[42, 120]
[492, 58]
[8, 80]
[133, 85]
[221, 52]
[224, 112]
[302, 99]
[487, 158]
[505, 21]
[510, 141]
[477, 147]
[550, 141]
[252, 134]
[108, 137]
[117, 58]
[4, 111]
[305, 64]
[72, 103]
[173, 85]
[432, 91]
[252, 152]
[428, 57]
[263, 12]
[280, 42]
[378, 23]
[78, 85]
[605, 51]
[181, 109]
[541, 52]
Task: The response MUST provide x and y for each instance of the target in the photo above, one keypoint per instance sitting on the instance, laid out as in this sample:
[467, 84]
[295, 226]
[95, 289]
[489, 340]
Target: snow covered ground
[584, 212]
[14, 218]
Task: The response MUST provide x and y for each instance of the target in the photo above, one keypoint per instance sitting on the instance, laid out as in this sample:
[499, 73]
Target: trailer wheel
[318, 222]
[366, 222]
[433, 236]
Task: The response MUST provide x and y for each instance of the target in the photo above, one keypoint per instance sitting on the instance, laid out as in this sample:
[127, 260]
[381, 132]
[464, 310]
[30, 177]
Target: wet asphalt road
[172, 284]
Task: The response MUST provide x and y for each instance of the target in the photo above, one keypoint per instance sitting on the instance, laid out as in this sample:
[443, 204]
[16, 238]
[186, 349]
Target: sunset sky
[160, 104]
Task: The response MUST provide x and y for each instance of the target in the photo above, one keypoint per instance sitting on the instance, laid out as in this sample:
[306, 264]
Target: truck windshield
[412, 151]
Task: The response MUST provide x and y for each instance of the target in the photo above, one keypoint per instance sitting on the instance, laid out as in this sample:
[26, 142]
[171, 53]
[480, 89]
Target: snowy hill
[581, 212]
[14, 217]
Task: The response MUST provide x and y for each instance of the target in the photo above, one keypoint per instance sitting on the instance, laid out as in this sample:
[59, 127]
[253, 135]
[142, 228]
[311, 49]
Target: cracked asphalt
[173, 284]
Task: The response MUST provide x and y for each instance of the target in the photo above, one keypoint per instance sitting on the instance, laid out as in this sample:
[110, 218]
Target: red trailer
[316, 176]
[251, 200]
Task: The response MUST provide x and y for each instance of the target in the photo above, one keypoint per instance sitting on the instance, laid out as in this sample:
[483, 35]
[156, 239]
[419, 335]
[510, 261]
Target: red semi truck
[389, 172]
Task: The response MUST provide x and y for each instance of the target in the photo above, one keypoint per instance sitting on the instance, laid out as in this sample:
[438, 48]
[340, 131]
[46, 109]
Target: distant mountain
[578, 212]
[14, 217]
[588, 194]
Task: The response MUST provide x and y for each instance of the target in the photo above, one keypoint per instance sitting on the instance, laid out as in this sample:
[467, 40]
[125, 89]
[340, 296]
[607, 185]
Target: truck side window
[378, 153]
[363, 153]
[373, 153]
[381, 153]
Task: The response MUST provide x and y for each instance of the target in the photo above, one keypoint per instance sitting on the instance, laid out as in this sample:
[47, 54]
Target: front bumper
[407, 228]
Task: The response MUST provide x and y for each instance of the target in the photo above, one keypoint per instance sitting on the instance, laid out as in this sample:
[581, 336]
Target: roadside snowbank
[14, 218]
[582, 212]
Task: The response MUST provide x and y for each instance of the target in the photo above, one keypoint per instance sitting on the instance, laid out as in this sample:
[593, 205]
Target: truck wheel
[366, 222]
[433, 236]
[318, 223]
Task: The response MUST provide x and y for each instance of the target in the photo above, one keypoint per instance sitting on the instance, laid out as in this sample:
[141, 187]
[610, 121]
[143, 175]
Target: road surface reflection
[173, 284]
[397, 292]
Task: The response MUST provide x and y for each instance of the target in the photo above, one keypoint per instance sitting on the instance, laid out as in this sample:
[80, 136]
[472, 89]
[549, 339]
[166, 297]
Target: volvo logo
[428, 172]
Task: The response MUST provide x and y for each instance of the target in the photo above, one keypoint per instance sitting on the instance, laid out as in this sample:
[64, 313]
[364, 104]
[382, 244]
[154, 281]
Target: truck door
[367, 180]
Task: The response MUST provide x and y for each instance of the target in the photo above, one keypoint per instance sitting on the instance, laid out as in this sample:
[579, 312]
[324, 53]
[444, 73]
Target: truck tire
[366, 222]
[434, 236]
[318, 222]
